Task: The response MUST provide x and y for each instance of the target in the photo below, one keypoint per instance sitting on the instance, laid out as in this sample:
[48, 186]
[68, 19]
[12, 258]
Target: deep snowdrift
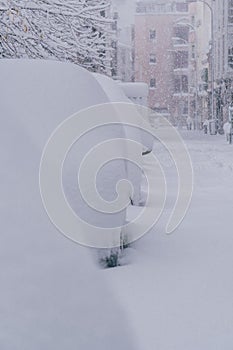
[52, 295]
[177, 292]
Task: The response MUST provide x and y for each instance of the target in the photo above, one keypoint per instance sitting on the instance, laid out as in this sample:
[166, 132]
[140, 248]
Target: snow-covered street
[175, 292]
[116, 176]
[178, 290]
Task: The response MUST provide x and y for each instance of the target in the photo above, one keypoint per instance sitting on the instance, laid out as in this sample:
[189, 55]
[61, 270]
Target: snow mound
[52, 294]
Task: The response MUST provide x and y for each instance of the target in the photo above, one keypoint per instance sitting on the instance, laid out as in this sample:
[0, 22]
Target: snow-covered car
[39, 95]
[43, 274]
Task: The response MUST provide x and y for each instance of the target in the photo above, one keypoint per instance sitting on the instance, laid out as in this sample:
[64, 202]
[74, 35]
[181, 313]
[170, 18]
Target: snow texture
[52, 294]
[75, 30]
[177, 290]
[175, 294]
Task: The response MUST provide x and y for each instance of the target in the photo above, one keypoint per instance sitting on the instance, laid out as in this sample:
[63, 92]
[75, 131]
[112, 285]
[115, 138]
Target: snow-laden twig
[74, 30]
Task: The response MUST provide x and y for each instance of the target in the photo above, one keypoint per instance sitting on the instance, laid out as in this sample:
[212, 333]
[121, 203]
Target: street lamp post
[212, 51]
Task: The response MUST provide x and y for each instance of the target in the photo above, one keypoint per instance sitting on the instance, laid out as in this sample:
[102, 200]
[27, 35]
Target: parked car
[38, 96]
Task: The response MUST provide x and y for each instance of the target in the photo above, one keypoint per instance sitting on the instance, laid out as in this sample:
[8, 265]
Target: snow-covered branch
[74, 30]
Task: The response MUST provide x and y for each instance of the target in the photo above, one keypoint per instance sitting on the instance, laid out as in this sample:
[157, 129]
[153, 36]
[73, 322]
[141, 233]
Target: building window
[152, 34]
[230, 12]
[114, 44]
[181, 84]
[193, 52]
[152, 83]
[181, 32]
[181, 59]
[123, 56]
[152, 58]
[181, 7]
[177, 84]
[205, 75]
[193, 21]
[230, 57]
[186, 108]
[114, 25]
[184, 83]
[115, 15]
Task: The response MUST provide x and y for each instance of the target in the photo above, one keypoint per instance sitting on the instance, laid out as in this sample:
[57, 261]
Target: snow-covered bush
[75, 30]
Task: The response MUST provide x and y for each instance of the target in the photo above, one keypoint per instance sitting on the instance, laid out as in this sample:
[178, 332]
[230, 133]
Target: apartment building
[200, 62]
[172, 50]
[162, 56]
[223, 53]
[123, 14]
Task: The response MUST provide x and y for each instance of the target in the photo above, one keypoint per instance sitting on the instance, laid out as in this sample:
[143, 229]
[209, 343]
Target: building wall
[161, 71]
[162, 19]
[125, 54]
[221, 37]
[124, 12]
[200, 45]
[223, 49]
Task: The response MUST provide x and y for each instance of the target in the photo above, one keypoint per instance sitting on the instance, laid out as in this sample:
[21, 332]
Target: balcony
[152, 7]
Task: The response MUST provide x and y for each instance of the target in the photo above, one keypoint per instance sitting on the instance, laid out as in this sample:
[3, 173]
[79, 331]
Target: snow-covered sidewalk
[178, 290]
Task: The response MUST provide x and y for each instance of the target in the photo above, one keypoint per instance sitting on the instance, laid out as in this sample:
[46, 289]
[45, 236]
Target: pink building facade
[162, 53]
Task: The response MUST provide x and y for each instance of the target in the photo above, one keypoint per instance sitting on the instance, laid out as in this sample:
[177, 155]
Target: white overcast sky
[126, 9]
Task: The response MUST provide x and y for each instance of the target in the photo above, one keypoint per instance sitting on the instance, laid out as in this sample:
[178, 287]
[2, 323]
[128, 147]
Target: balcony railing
[144, 7]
